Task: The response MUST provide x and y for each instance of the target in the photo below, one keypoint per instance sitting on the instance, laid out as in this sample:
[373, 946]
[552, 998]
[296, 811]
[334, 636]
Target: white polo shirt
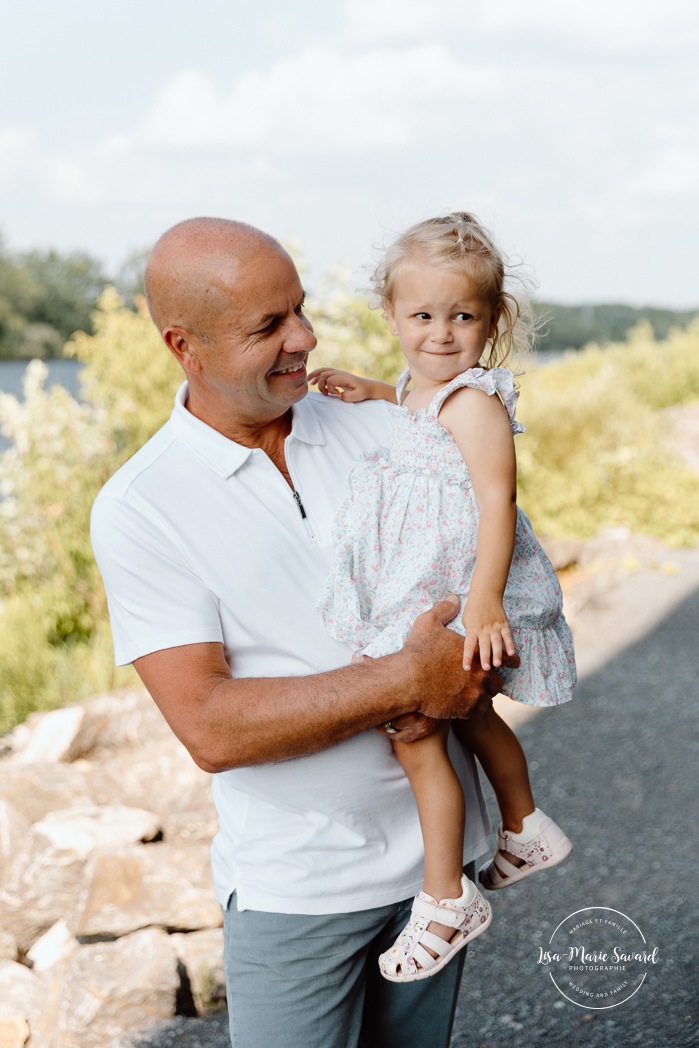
[200, 539]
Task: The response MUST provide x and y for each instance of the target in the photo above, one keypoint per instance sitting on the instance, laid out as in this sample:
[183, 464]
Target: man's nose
[300, 338]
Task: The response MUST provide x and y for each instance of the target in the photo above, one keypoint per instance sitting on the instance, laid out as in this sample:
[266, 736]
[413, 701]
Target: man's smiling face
[254, 358]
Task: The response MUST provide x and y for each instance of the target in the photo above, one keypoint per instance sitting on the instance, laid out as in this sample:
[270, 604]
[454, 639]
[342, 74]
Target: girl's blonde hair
[459, 241]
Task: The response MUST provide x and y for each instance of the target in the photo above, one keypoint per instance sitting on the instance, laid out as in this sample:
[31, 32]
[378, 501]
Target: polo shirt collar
[225, 456]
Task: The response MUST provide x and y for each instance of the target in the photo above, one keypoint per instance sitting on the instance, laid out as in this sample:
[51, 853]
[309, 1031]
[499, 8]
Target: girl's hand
[342, 384]
[488, 631]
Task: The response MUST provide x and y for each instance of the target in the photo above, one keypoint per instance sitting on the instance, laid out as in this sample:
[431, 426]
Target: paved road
[615, 767]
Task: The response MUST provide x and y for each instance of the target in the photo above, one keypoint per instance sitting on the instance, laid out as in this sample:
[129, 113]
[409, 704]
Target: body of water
[61, 373]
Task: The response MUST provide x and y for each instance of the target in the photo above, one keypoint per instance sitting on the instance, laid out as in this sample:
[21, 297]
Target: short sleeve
[496, 382]
[502, 382]
[155, 600]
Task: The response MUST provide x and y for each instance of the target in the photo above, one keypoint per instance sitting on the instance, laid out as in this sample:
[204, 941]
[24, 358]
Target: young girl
[438, 514]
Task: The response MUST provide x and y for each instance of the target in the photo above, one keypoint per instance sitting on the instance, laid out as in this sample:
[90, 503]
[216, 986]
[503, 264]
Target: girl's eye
[464, 316]
[422, 316]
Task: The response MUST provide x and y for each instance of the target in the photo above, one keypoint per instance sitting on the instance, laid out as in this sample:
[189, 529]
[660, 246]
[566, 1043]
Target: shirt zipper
[304, 515]
[299, 503]
[297, 495]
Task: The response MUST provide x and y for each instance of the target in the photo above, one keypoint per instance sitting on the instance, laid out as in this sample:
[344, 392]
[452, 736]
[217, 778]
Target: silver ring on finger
[389, 729]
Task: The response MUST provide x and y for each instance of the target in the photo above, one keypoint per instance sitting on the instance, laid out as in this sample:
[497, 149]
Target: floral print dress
[405, 536]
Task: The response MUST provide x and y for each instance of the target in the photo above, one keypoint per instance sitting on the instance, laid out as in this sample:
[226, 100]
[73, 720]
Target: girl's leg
[502, 758]
[528, 840]
[441, 807]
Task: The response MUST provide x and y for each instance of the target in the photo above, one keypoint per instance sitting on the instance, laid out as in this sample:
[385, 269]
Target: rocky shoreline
[107, 915]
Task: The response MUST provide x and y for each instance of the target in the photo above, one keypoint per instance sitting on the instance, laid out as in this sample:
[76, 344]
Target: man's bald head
[192, 268]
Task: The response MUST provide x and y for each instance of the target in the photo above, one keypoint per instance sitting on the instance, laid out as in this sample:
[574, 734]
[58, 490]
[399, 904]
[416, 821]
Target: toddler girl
[438, 514]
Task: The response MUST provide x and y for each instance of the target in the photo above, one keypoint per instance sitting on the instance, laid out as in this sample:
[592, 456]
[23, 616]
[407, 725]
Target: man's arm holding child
[227, 723]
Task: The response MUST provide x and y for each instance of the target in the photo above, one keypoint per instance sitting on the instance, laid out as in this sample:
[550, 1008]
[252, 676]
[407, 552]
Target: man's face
[254, 361]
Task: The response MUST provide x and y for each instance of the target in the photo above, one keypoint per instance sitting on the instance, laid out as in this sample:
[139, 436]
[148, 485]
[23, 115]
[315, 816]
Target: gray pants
[296, 981]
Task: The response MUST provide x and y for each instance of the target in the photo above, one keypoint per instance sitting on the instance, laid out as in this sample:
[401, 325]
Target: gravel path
[615, 768]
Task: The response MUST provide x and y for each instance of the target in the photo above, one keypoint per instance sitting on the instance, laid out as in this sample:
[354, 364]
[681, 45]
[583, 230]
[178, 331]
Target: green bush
[596, 451]
[53, 626]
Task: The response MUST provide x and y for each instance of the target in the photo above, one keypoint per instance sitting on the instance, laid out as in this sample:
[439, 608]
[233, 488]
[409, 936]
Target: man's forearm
[229, 723]
[294, 716]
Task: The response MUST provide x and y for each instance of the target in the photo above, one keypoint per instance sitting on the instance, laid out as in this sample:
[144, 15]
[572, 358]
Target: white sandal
[541, 844]
[408, 960]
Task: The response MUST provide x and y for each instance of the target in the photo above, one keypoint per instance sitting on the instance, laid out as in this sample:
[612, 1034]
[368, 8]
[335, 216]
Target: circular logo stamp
[598, 958]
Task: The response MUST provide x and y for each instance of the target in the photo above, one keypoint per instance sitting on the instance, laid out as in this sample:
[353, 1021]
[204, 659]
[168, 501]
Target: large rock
[53, 736]
[105, 723]
[56, 945]
[133, 888]
[9, 950]
[41, 886]
[201, 954]
[113, 987]
[80, 852]
[21, 993]
[13, 829]
[82, 830]
[14, 1033]
[33, 790]
[45, 876]
[176, 789]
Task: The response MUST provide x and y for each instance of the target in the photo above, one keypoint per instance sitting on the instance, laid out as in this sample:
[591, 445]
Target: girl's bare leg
[441, 807]
[502, 758]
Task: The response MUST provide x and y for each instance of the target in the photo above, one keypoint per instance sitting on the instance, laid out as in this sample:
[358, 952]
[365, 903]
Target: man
[214, 542]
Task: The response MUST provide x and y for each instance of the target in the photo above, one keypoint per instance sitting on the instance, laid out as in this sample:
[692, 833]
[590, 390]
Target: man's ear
[183, 347]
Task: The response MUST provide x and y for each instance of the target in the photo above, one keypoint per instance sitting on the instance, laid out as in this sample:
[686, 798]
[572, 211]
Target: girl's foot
[539, 845]
[417, 952]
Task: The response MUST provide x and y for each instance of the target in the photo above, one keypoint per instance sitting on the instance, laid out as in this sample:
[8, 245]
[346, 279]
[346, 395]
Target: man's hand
[410, 726]
[444, 690]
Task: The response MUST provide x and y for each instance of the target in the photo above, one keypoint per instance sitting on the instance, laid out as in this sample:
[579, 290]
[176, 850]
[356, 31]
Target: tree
[16, 299]
[65, 289]
[44, 298]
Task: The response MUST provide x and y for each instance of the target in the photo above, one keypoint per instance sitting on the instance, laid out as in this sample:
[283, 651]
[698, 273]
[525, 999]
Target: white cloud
[27, 168]
[532, 114]
[321, 101]
[601, 25]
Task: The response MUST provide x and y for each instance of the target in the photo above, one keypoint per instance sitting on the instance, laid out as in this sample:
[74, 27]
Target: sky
[570, 129]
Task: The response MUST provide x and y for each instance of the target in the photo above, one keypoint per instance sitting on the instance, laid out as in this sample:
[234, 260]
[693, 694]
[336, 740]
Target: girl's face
[441, 320]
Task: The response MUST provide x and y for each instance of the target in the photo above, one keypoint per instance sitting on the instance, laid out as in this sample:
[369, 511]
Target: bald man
[214, 544]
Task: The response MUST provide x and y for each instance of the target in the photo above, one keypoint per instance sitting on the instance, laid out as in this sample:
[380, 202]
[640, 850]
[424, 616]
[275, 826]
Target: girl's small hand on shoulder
[342, 384]
[487, 632]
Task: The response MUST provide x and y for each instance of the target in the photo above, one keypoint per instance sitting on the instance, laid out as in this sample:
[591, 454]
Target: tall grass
[598, 449]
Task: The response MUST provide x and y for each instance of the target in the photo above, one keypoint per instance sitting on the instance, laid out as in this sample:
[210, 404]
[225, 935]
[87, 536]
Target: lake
[61, 373]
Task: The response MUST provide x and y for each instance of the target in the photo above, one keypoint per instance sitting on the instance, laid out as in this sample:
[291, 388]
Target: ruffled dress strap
[403, 380]
[496, 381]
